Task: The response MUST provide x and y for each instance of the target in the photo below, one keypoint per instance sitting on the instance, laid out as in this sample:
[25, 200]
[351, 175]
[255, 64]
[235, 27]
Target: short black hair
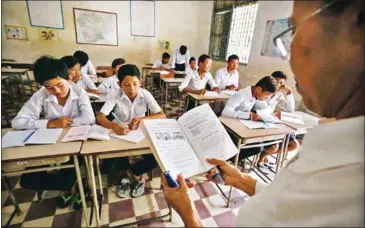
[117, 62]
[165, 55]
[203, 57]
[70, 61]
[47, 68]
[183, 49]
[268, 84]
[279, 74]
[128, 70]
[82, 57]
[232, 57]
[192, 59]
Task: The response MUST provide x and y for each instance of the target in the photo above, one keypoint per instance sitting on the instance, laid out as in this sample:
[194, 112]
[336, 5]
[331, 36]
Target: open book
[268, 116]
[183, 145]
[22, 138]
[133, 136]
[86, 132]
[250, 124]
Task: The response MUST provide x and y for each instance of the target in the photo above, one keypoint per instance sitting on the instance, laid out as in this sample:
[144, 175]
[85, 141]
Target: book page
[211, 94]
[229, 92]
[77, 133]
[45, 136]
[133, 136]
[14, 138]
[172, 147]
[98, 132]
[257, 124]
[291, 117]
[268, 116]
[207, 135]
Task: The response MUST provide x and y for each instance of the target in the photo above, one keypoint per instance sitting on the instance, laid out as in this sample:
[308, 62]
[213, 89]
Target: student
[241, 104]
[192, 65]
[164, 63]
[180, 58]
[76, 77]
[62, 106]
[112, 82]
[130, 105]
[87, 68]
[227, 77]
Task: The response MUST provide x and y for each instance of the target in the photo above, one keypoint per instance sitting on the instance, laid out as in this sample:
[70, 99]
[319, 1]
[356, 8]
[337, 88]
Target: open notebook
[22, 138]
[86, 132]
[183, 145]
[132, 136]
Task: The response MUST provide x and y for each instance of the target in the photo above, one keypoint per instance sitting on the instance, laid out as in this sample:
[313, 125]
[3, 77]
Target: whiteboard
[45, 14]
[142, 18]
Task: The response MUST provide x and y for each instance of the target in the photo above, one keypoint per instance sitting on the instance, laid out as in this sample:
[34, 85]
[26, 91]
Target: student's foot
[64, 200]
[263, 167]
[138, 189]
[124, 189]
[77, 203]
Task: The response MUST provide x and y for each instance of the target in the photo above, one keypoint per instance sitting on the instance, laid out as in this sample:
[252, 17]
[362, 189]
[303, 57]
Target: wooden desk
[249, 138]
[114, 148]
[167, 83]
[14, 161]
[17, 64]
[145, 69]
[18, 73]
[309, 122]
[201, 98]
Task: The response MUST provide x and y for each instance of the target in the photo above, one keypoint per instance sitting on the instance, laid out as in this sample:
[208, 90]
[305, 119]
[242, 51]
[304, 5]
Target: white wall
[260, 66]
[180, 22]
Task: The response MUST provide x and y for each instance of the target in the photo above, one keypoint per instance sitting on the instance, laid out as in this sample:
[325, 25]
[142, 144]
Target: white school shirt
[188, 69]
[85, 83]
[193, 81]
[178, 58]
[159, 64]
[324, 187]
[109, 84]
[88, 69]
[224, 79]
[284, 102]
[125, 109]
[240, 104]
[77, 106]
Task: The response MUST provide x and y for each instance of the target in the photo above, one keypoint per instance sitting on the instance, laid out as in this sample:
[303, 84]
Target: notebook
[211, 94]
[82, 133]
[132, 136]
[258, 124]
[22, 138]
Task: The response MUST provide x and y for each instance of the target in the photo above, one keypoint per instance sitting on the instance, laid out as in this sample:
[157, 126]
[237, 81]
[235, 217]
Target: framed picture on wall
[95, 27]
[16, 32]
[46, 34]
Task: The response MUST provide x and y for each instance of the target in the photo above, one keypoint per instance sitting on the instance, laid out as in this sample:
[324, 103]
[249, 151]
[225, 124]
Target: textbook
[183, 145]
[22, 138]
[85, 132]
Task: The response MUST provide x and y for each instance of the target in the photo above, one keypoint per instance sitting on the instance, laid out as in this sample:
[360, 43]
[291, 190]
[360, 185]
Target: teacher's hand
[230, 174]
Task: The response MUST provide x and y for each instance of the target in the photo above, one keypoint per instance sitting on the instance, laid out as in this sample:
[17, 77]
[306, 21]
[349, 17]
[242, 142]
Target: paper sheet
[291, 117]
[229, 92]
[98, 132]
[14, 138]
[211, 94]
[258, 124]
[133, 136]
[77, 133]
[45, 136]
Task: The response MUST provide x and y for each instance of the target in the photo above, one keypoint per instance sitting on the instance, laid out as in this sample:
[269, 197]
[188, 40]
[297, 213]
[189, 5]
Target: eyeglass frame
[318, 11]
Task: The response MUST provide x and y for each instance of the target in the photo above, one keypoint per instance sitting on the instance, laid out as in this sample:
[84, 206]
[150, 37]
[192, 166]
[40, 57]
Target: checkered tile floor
[208, 201]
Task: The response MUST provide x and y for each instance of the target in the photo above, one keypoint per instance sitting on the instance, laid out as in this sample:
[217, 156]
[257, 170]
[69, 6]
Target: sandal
[138, 190]
[77, 203]
[124, 188]
[64, 200]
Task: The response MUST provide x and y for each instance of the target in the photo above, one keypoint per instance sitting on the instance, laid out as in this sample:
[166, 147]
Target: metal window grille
[232, 29]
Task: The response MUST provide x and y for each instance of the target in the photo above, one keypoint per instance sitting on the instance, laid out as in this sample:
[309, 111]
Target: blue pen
[172, 183]
[118, 120]
[26, 139]
[266, 124]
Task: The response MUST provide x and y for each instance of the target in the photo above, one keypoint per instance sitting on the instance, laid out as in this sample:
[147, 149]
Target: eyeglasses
[282, 41]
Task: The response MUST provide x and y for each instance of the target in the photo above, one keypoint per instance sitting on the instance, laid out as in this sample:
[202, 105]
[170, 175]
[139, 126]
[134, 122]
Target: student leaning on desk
[112, 82]
[129, 104]
[324, 186]
[63, 106]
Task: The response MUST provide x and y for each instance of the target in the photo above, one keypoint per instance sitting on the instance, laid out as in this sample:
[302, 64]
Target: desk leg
[235, 164]
[285, 154]
[93, 190]
[99, 177]
[166, 92]
[81, 189]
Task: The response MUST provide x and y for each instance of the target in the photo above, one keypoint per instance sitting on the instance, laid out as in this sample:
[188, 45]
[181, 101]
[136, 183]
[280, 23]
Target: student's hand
[202, 91]
[178, 198]
[118, 129]
[134, 124]
[231, 87]
[286, 89]
[61, 122]
[230, 174]
[255, 117]
[216, 89]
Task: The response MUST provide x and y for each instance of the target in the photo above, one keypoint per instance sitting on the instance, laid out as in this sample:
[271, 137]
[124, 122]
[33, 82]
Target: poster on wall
[273, 28]
[16, 32]
[163, 45]
[45, 34]
[95, 27]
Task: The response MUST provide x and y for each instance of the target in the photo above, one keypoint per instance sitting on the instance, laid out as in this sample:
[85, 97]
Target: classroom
[214, 113]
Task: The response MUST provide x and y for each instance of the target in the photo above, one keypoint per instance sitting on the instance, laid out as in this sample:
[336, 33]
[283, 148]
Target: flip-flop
[64, 200]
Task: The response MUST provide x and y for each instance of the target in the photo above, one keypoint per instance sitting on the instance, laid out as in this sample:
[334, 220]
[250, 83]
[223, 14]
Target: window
[232, 29]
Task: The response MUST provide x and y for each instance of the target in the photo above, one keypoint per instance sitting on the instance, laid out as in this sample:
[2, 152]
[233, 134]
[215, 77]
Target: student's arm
[104, 86]
[288, 103]
[157, 65]
[218, 80]
[28, 116]
[90, 85]
[183, 87]
[233, 102]
[91, 70]
[212, 84]
[187, 58]
[86, 113]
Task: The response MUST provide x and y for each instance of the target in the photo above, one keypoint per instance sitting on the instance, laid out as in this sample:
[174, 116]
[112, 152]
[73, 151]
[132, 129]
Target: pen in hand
[120, 122]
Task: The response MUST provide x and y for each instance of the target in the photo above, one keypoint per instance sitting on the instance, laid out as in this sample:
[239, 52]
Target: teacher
[324, 185]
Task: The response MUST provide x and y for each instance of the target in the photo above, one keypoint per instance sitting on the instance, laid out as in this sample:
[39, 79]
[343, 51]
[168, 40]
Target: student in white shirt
[130, 105]
[180, 58]
[62, 106]
[112, 82]
[324, 185]
[87, 68]
[164, 63]
[192, 66]
[76, 77]
[227, 77]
